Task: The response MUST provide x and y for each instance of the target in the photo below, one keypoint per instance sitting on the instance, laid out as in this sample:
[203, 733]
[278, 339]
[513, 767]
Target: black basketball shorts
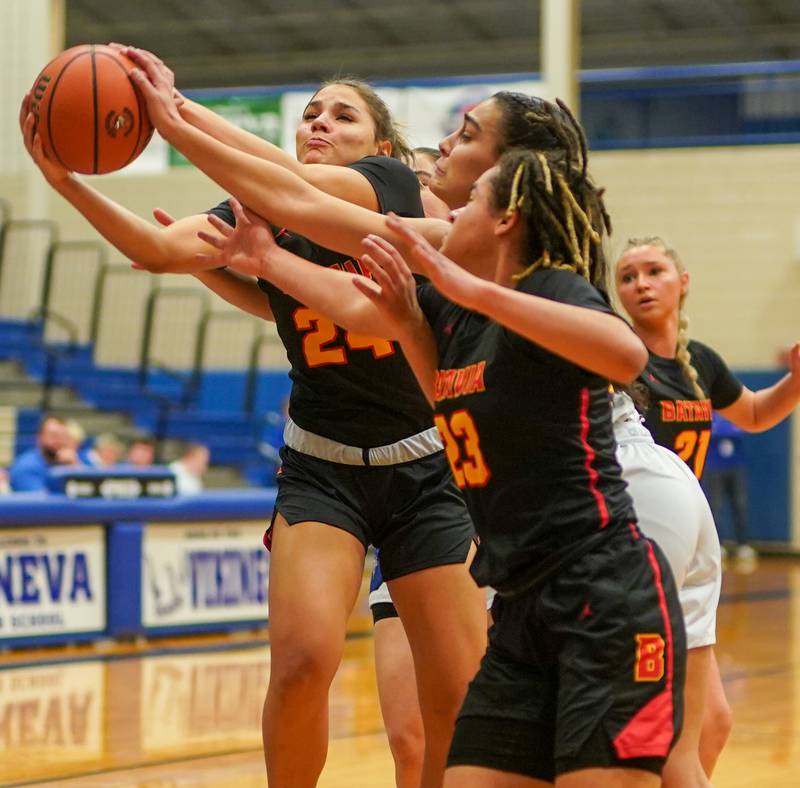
[586, 672]
[412, 512]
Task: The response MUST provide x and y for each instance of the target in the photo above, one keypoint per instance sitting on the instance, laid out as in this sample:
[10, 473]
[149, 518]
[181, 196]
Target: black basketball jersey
[528, 436]
[676, 418]
[353, 389]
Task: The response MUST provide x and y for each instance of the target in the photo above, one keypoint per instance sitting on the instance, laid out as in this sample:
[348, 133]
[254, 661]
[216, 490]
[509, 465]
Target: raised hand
[244, 248]
[143, 59]
[446, 276]
[392, 288]
[157, 84]
[51, 169]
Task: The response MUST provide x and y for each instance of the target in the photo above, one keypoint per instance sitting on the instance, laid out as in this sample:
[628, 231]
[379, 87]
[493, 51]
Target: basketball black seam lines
[94, 103]
[142, 110]
[50, 106]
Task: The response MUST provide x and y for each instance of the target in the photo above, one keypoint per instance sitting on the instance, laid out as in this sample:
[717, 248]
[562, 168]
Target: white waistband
[414, 447]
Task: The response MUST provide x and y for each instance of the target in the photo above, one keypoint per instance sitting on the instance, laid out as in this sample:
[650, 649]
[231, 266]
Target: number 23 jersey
[676, 418]
[528, 436]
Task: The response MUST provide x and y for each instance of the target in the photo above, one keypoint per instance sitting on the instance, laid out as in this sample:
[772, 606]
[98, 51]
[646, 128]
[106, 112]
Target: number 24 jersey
[354, 389]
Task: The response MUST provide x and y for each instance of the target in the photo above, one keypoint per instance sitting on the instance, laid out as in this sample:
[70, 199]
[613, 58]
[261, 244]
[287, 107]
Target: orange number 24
[322, 332]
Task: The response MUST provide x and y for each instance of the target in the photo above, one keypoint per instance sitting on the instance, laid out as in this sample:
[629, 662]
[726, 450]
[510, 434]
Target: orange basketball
[90, 115]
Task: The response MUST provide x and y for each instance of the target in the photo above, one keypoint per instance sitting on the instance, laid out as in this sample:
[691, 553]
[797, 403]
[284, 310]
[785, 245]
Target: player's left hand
[157, 84]
[392, 288]
[143, 59]
[446, 276]
[245, 248]
[53, 172]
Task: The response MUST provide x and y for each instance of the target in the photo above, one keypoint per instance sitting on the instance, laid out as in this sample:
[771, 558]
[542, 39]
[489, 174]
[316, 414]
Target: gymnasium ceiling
[215, 43]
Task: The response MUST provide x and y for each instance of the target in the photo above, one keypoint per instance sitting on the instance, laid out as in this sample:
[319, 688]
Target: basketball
[89, 114]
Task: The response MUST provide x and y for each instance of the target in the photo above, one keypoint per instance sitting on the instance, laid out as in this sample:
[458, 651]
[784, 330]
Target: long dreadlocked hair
[533, 123]
[536, 124]
[563, 212]
[682, 354]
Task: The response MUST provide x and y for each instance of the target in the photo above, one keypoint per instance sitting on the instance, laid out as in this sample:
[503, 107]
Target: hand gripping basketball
[87, 111]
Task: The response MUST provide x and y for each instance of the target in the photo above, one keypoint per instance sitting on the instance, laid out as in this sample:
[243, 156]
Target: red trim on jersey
[650, 732]
[590, 457]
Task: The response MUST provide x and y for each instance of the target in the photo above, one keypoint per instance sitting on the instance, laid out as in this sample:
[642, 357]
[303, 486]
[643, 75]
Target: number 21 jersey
[676, 418]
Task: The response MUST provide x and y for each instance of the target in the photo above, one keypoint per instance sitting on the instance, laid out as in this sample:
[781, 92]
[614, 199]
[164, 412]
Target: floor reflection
[193, 719]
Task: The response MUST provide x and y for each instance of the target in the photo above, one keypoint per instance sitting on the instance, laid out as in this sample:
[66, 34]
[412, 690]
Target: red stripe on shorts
[651, 731]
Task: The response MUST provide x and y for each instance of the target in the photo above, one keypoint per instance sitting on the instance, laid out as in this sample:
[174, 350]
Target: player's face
[432, 205]
[336, 128]
[472, 241]
[423, 169]
[649, 285]
[467, 153]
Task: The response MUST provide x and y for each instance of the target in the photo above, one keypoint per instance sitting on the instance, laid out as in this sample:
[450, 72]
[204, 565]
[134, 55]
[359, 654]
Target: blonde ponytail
[684, 357]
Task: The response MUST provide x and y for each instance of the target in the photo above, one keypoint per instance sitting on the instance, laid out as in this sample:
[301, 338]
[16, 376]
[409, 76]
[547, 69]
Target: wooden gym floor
[187, 712]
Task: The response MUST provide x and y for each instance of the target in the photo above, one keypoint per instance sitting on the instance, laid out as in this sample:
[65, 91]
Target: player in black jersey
[369, 401]
[505, 120]
[394, 663]
[526, 426]
[365, 457]
[292, 278]
[582, 680]
[684, 382]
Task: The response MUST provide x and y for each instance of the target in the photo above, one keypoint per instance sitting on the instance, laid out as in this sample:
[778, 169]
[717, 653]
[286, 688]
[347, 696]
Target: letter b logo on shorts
[649, 665]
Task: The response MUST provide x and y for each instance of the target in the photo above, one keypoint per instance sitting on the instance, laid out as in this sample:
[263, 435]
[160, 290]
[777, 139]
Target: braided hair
[536, 124]
[682, 354]
[562, 210]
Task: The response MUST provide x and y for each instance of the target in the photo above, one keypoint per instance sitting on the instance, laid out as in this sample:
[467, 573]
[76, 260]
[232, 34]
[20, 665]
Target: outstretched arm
[756, 411]
[339, 181]
[269, 189]
[394, 294]
[596, 341]
[250, 249]
[385, 306]
[173, 248]
[240, 291]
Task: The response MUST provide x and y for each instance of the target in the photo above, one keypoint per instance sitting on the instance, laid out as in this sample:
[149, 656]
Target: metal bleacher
[119, 351]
